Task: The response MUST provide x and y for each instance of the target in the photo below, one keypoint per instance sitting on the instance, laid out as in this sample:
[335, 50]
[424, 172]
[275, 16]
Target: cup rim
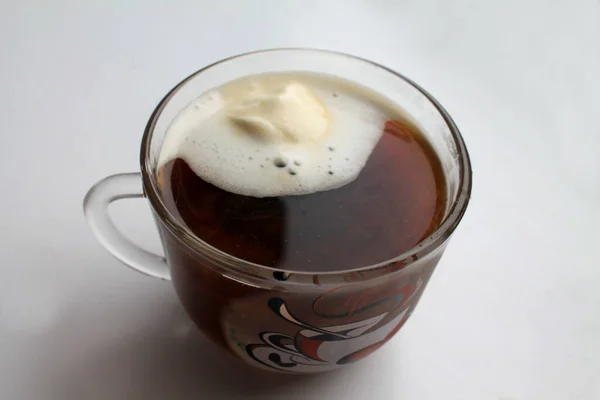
[428, 245]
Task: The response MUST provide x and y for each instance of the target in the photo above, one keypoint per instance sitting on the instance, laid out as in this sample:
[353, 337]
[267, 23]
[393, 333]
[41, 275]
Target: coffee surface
[397, 200]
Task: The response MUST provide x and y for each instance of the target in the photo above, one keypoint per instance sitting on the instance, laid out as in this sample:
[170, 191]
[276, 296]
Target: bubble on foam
[226, 155]
[280, 162]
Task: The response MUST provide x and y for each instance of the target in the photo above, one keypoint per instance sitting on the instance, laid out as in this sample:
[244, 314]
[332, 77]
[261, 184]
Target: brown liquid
[398, 199]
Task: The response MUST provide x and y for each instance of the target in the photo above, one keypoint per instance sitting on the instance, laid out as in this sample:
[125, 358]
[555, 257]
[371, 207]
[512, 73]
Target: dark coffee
[398, 199]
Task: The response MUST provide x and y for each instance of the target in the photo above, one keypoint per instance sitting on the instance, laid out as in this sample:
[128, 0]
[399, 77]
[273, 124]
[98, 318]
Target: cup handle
[95, 208]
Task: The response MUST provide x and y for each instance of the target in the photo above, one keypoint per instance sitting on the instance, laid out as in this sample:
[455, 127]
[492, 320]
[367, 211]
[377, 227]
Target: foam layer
[279, 134]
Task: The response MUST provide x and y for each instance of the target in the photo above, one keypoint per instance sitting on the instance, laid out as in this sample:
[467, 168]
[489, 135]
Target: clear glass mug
[286, 320]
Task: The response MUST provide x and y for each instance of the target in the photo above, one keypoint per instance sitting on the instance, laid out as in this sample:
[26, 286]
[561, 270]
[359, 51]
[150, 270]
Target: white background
[513, 310]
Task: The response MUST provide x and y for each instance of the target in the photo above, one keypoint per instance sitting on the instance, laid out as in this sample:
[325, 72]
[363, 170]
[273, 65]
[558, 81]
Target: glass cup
[280, 320]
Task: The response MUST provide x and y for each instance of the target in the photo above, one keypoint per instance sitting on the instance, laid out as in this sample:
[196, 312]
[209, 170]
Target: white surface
[511, 312]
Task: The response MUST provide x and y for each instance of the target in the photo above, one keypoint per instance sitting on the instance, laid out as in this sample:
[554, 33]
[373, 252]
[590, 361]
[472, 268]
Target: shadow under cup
[285, 320]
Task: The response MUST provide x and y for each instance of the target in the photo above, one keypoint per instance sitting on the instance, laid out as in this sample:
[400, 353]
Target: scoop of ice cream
[291, 114]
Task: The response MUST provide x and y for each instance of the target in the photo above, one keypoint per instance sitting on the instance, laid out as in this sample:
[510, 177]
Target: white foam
[222, 152]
